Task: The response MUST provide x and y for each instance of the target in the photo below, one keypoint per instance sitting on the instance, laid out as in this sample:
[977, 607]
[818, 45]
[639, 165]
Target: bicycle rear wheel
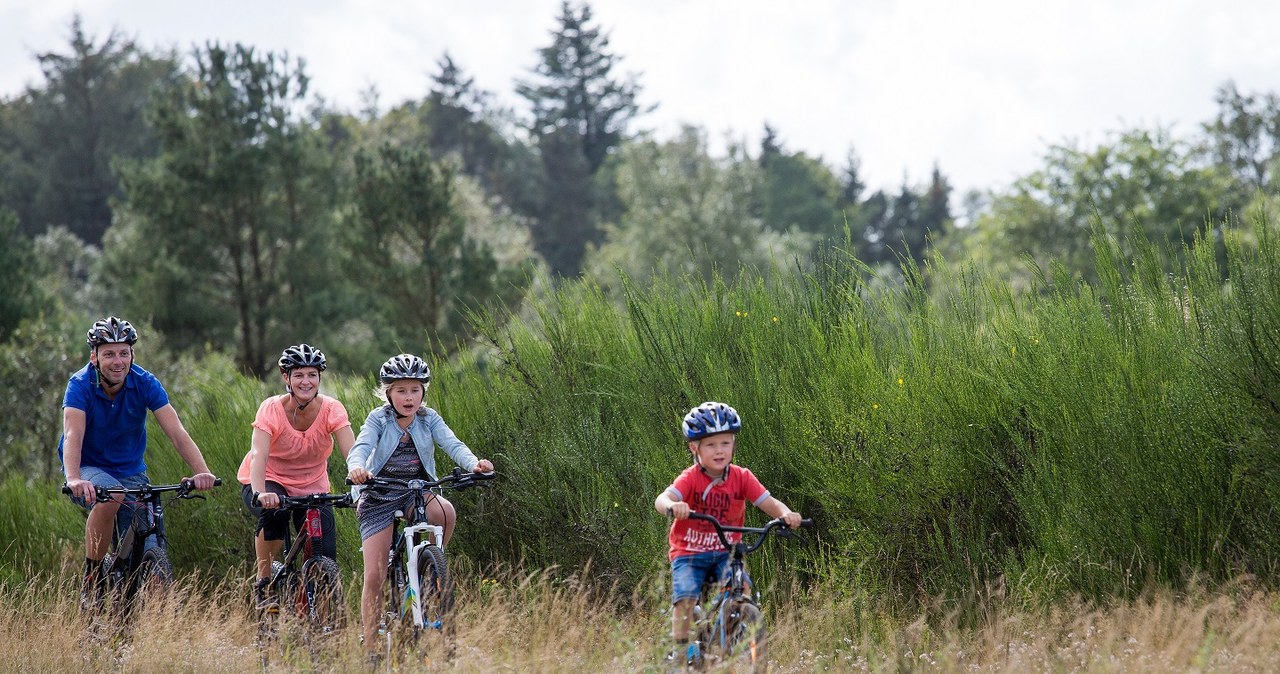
[745, 636]
[320, 595]
[437, 586]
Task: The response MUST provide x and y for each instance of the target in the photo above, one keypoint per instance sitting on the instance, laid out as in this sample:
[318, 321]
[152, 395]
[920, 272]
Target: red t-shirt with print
[724, 499]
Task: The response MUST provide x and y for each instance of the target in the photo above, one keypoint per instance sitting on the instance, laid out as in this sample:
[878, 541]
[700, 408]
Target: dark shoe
[263, 598]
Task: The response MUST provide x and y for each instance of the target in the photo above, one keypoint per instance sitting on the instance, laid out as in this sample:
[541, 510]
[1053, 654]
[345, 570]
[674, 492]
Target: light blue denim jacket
[380, 434]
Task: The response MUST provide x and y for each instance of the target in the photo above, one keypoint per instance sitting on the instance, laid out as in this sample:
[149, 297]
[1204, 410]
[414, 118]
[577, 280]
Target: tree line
[215, 198]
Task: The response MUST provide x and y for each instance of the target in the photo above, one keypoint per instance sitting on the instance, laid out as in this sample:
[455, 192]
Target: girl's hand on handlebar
[679, 510]
[359, 475]
[483, 466]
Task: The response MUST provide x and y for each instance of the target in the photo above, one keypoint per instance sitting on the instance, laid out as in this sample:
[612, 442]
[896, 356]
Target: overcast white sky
[981, 88]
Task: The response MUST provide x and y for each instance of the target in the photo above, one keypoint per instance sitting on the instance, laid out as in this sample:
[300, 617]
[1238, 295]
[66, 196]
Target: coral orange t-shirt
[298, 460]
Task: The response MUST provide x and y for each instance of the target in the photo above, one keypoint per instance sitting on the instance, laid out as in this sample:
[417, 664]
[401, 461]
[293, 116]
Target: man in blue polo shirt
[104, 433]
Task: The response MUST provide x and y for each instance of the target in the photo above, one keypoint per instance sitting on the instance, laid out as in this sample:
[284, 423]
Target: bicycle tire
[151, 579]
[436, 586]
[745, 636]
[320, 595]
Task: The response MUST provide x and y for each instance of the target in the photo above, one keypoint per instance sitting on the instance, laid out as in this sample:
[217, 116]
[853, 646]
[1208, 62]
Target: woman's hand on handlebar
[359, 475]
[269, 500]
[483, 466]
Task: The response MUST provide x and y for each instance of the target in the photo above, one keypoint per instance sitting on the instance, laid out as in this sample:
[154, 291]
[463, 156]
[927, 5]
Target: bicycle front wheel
[320, 594]
[152, 579]
[745, 633]
[437, 586]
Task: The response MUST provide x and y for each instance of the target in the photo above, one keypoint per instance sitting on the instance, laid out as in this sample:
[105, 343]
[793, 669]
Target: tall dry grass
[511, 621]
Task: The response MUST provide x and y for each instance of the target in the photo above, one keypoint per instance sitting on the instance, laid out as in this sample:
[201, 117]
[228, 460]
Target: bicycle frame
[733, 609]
[129, 548]
[287, 576]
[411, 540]
[303, 544]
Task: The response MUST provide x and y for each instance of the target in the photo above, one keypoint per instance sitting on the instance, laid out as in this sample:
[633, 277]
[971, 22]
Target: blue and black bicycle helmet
[405, 366]
[710, 418]
[301, 355]
[111, 330]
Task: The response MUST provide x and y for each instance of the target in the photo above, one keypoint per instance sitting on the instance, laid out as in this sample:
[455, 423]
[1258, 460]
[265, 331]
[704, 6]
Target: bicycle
[730, 628]
[418, 588]
[132, 570]
[313, 589]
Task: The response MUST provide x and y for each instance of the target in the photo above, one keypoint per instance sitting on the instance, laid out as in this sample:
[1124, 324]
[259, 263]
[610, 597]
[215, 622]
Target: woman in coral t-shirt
[293, 436]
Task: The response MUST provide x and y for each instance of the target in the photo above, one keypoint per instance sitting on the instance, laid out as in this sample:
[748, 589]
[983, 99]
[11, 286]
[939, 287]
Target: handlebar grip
[349, 482]
[217, 482]
[66, 489]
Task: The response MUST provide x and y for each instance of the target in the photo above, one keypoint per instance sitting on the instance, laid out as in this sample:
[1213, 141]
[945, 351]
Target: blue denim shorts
[690, 572]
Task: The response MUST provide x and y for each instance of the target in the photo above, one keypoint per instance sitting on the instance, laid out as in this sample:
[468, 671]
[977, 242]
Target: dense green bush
[948, 435]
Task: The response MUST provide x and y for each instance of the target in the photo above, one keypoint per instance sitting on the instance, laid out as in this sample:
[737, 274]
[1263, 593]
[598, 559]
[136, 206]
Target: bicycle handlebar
[777, 526]
[312, 500]
[456, 480]
[183, 488]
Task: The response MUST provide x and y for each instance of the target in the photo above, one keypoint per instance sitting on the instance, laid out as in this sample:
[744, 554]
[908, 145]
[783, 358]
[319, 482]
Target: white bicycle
[418, 588]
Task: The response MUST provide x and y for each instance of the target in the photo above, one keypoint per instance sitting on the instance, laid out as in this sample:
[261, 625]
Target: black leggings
[274, 523]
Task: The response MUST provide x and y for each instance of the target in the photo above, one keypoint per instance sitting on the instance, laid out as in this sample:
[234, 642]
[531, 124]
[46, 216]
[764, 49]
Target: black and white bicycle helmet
[405, 366]
[301, 355]
[111, 330]
[710, 418]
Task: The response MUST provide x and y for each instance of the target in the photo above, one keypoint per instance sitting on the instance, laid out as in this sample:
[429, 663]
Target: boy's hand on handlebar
[792, 519]
[483, 466]
[359, 475]
[679, 510]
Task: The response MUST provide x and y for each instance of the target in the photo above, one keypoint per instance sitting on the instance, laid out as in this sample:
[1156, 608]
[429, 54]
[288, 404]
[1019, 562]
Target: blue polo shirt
[115, 431]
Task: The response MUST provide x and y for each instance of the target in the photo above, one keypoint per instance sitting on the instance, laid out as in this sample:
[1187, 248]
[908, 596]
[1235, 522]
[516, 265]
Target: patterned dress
[378, 509]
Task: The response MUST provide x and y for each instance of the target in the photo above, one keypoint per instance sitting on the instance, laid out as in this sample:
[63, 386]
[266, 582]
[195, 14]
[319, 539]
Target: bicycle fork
[416, 538]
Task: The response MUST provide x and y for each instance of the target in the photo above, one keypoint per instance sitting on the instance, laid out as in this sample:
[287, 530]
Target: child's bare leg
[680, 620]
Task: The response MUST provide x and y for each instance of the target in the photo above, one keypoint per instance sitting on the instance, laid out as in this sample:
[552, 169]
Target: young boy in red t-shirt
[713, 487]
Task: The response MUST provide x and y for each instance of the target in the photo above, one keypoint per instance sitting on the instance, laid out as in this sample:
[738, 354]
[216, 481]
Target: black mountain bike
[418, 588]
[132, 571]
[728, 625]
[303, 584]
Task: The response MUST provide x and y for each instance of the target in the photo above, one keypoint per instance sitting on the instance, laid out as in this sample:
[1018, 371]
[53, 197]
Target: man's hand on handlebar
[201, 481]
[83, 489]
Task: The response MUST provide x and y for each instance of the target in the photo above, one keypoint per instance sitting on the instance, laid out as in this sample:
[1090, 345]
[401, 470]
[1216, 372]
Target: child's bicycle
[418, 588]
[132, 572]
[728, 626]
[305, 584]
